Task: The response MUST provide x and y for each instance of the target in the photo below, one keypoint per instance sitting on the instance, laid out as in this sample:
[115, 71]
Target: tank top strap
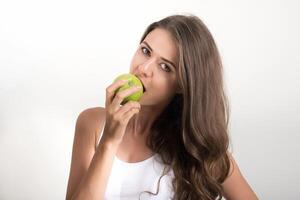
[101, 133]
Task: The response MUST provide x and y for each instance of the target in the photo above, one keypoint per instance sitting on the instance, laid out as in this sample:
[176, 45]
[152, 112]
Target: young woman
[173, 143]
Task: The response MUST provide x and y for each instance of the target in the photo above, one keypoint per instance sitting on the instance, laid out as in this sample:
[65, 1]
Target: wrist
[111, 146]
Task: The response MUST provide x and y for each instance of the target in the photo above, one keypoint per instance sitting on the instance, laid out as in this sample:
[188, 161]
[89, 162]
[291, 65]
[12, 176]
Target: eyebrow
[164, 59]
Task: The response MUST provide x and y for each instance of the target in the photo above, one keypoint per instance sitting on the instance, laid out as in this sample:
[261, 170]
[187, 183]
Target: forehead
[162, 44]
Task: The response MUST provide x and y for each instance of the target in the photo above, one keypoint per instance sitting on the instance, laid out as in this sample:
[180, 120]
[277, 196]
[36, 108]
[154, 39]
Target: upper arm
[83, 149]
[235, 186]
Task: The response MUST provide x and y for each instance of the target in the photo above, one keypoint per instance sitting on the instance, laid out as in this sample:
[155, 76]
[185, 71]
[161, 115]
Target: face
[155, 63]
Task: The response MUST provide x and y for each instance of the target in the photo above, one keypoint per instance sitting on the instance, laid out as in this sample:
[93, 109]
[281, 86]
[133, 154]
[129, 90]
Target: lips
[144, 88]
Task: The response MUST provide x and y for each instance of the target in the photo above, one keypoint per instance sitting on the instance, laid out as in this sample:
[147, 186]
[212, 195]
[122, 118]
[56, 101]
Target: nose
[147, 67]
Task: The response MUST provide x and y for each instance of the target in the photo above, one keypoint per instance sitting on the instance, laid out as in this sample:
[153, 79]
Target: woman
[173, 143]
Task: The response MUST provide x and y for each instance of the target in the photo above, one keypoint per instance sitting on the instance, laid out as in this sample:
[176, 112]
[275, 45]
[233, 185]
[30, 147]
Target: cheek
[164, 83]
[161, 84]
[135, 61]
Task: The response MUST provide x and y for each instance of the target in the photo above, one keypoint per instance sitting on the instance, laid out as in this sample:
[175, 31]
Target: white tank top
[127, 181]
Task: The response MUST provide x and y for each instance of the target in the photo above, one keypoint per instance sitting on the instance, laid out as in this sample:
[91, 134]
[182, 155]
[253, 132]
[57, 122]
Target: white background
[57, 57]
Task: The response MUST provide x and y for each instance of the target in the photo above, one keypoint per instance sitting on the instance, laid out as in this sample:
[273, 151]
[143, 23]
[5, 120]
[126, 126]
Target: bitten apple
[132, 81]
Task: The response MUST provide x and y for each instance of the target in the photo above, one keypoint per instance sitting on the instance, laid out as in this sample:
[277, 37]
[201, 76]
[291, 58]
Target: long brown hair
[191, 134]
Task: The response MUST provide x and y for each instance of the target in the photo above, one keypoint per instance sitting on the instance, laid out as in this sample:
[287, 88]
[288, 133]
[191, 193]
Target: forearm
[93, 184]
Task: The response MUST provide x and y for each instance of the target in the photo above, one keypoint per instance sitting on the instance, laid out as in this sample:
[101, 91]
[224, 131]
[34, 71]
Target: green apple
[132, 81]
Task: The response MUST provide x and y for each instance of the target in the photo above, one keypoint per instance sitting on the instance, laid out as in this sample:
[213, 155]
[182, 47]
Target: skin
[159, 78]
[91, 164]
[157, 75]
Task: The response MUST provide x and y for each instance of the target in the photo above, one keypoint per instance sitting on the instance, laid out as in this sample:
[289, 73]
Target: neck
[140, 124]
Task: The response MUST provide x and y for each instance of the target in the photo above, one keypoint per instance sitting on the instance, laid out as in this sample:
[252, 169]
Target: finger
[111, 89]
[128, 106]
[129, 114]
[119, 97]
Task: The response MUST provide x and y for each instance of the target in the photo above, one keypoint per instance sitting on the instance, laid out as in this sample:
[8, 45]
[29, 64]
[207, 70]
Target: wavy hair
[191, 134]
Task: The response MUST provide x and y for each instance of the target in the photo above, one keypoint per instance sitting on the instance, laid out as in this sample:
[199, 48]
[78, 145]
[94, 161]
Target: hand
[118, 116]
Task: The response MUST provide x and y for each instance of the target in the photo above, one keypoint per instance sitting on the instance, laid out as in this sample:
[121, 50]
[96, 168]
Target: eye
[145, 50]
[167, 68]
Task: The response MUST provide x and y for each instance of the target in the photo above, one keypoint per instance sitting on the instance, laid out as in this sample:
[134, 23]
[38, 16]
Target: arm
[94, 182]
[89, 168]
[235, 186]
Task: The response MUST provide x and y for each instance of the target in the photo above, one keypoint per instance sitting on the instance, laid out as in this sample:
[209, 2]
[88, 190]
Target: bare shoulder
[93, 119]
[85, 138]
[93, 115]
[235, 186]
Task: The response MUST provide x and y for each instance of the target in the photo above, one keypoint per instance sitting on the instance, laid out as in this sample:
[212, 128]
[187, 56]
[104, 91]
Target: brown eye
[145, 51]
[166, 68]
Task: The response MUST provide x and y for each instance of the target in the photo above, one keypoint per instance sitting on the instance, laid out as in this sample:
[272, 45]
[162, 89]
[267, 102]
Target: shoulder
[92, 115]
[88, 121]
[91, 120]
[236, 186]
